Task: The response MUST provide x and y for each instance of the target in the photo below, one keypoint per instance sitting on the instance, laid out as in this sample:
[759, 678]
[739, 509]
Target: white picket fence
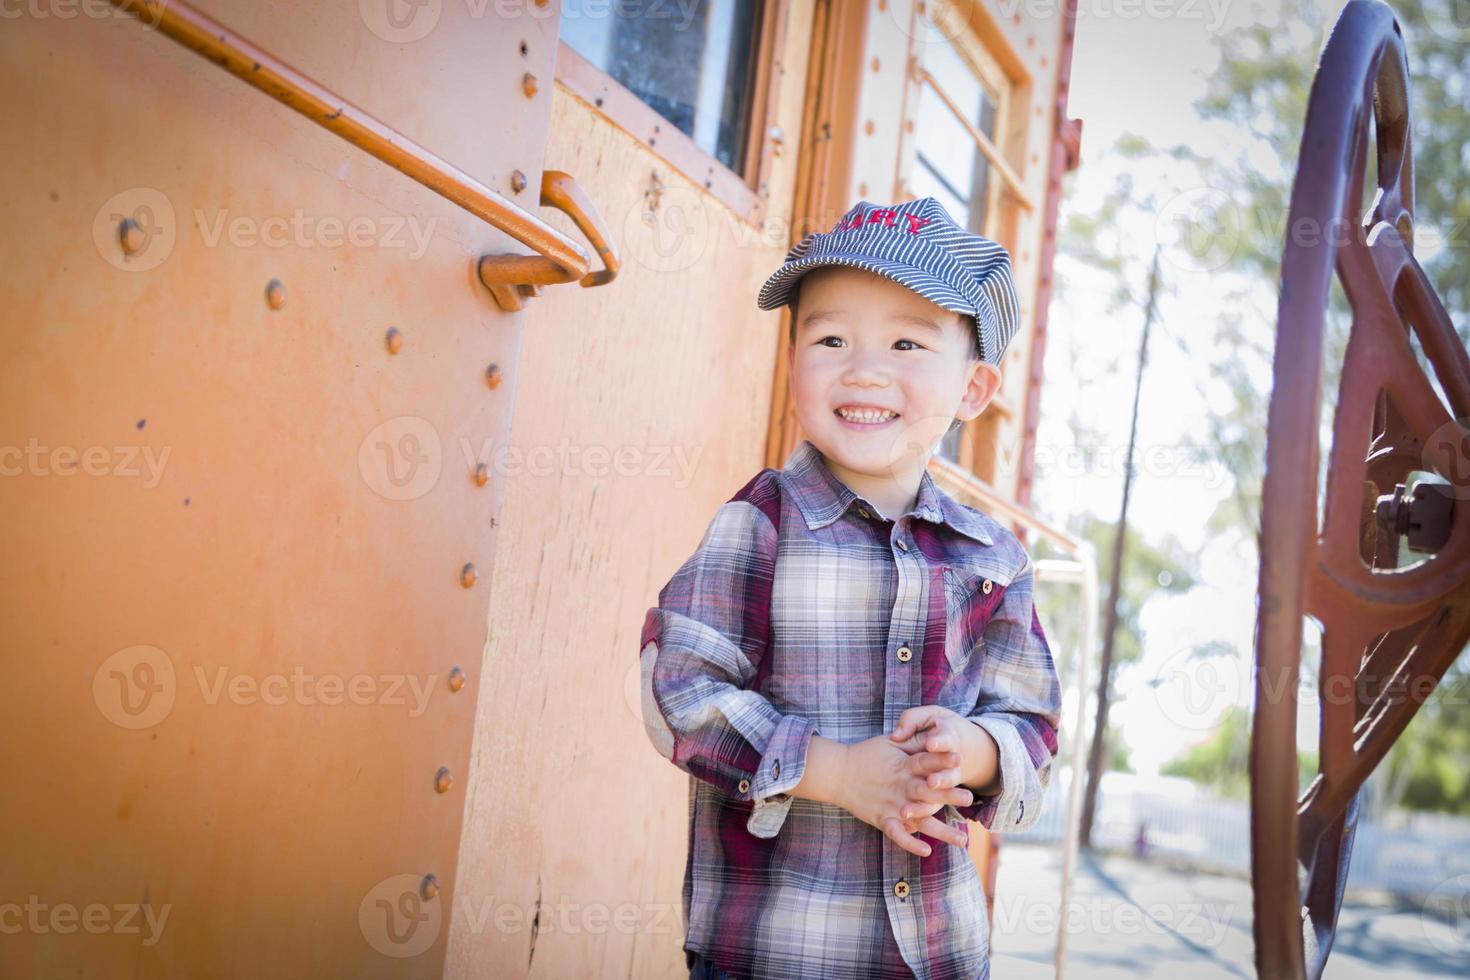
[1412, 854]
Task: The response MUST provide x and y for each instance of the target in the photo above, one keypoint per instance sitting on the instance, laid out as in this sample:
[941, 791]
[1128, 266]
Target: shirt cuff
[781, 768]
[1016, 804]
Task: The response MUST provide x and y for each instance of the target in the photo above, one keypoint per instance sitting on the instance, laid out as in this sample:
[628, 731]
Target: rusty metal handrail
[988, 149]
[559, 258]
[513, 278]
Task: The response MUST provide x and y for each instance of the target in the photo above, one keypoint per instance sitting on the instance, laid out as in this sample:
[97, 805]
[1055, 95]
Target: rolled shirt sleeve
[1019, 705]
[701, 648]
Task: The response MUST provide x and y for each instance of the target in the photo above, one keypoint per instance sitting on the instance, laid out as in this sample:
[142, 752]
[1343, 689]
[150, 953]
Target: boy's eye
[912, 345]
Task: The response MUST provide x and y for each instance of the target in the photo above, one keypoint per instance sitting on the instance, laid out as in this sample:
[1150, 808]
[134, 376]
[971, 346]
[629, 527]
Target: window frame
[986, 54]
[745, 193]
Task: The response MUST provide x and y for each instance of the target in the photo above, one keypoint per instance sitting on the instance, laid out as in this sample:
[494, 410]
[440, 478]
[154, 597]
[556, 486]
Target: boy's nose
[864, 371]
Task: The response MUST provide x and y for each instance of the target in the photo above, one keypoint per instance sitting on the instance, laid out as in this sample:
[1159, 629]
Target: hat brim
[778, 289]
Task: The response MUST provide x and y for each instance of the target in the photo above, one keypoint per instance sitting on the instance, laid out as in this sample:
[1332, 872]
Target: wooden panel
[577, 824]
[228, 622]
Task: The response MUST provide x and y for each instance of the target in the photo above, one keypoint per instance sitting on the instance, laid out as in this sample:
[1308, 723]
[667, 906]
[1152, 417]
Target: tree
[1261, 88]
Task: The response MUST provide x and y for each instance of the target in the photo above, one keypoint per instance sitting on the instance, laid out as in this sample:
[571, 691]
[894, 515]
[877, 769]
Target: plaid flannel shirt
[805, 611]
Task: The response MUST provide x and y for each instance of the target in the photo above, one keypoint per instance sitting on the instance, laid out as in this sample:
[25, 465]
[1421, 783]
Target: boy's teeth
[866, 415]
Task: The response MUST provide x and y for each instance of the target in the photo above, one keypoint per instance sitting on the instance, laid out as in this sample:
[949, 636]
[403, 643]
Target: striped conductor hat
[918, 245]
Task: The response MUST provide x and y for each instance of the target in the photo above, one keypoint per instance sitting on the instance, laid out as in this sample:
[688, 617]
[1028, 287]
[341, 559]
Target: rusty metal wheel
[1388, 633]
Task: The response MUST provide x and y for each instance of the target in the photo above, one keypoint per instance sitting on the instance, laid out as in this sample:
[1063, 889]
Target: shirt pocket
[971, 599]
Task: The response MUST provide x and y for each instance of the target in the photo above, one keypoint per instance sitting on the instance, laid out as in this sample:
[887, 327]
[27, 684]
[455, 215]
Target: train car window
[693, 63]
[957, 102]
[948, 165]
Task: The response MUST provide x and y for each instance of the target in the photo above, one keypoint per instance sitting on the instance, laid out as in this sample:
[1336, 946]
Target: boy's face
[878, 372]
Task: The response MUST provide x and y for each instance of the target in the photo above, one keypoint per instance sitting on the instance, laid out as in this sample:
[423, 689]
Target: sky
[1140, 74]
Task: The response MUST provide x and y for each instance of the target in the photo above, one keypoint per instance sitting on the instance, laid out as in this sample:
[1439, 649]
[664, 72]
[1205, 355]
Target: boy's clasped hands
[897, 782]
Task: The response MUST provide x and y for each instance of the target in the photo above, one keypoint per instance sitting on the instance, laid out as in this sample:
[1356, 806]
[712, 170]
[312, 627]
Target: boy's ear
[984, 382]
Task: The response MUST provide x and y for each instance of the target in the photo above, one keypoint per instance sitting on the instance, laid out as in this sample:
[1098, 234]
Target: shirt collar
[822, 497]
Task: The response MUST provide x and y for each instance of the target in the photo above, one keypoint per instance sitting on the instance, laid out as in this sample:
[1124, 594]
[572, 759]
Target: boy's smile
[878, 373]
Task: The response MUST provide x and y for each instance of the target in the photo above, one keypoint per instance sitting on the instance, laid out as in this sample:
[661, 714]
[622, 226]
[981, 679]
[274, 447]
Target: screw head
[517, 181]
[429, 887]
[492, 375]
[130, 236]
[394, 340]
[443, 780]
[529, 85]
[482, 475]
[275, 294]
[456, 679]
[468, 575]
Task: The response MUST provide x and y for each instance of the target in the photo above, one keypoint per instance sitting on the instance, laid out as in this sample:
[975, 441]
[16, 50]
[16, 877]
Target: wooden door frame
[823, 171]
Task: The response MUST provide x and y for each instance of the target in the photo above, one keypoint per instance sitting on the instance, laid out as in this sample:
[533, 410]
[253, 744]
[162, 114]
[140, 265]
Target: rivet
[275, 294]
[442, 780]
[517, 181]
[130, 236]
[467, 575]
[528, 85]
[492, 375]
[395, 340]
[456, 679]
[482, 475]
[429, 887]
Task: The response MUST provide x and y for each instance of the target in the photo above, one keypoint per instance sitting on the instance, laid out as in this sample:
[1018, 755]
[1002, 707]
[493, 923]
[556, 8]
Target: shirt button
[901, 889]
[904, 654]
[776, 769]
[986, 586]
[864, 512]
[745, 786]
[903, 545]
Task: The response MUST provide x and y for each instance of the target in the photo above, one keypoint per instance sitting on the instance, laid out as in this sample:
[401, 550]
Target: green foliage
[1150, 570]
[1222, 760]
[1262, 86]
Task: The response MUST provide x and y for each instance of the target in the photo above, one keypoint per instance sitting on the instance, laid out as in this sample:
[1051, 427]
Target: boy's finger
[943, 779]
[924, 799]
[919, 809]
[894, 828]
[940, 830]
[939, 742]
[912, 720]
[923, 763]
[920, 792]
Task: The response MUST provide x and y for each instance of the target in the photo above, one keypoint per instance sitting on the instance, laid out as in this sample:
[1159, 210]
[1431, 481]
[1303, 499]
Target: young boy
[850, 665]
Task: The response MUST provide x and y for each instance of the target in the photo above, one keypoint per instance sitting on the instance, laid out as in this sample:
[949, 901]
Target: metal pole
[1105, 675]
